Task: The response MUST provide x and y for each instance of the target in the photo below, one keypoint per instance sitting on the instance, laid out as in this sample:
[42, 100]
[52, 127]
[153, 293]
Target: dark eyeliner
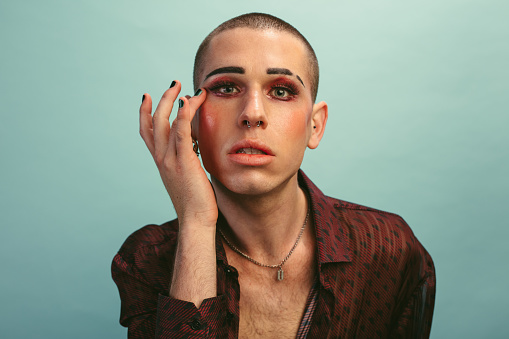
[216, 86]
[289, 87]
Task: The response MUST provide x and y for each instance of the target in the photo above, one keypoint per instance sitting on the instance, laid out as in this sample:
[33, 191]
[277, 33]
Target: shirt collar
[331, 234]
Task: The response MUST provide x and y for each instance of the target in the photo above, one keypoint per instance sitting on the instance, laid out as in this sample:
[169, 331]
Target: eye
[280, 92]
[283, 89]
[227, 89]
[224, 88]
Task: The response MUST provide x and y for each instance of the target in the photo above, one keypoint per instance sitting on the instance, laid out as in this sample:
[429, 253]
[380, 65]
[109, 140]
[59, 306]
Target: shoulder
[364, 219]
[362, 232]
[384, 237]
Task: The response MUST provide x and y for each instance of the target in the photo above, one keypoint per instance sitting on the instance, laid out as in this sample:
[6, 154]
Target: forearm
[194, 273]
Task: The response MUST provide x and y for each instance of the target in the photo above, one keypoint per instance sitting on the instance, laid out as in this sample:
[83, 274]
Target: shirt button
[196, 324]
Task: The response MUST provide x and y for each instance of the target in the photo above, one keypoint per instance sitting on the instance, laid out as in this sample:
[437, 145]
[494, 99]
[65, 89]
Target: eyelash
[289, 87]
[216, 86]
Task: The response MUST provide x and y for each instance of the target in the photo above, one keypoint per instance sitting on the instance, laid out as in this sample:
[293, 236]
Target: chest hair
[270, 308]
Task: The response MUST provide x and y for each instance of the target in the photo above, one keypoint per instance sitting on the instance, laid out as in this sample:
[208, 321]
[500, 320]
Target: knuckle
[146, 135]
[167, 95]
[159, 159]
[167, 164]
[180, 135]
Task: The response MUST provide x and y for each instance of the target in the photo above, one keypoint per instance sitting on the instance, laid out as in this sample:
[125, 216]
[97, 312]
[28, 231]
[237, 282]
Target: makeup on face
[241, 70]
[281, 88]
[284, 71]
[229, 69]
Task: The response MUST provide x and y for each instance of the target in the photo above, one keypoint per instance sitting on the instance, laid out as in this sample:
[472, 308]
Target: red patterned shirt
[375, 279]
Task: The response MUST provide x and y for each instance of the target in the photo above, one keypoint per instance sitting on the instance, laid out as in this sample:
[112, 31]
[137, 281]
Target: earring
[195, 147]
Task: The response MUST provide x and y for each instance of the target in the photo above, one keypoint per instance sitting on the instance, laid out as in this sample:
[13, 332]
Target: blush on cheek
[296, 123]
[208, 116]
[209, 121]
[209, 137]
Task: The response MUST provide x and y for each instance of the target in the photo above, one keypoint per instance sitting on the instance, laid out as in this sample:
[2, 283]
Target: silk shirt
[375, 278]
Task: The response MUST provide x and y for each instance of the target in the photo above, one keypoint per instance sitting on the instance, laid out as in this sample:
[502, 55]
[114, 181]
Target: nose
[253, 111]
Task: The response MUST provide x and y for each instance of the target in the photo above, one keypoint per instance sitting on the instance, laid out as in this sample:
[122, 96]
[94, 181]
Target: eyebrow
[283, 71]
[298, 77]
[241, 70]
[230, 69]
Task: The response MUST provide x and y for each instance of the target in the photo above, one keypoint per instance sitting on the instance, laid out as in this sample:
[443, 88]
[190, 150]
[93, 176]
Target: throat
[266, 231]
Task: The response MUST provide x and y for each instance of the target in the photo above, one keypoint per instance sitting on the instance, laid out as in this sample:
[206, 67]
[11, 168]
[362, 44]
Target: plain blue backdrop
[417, 92]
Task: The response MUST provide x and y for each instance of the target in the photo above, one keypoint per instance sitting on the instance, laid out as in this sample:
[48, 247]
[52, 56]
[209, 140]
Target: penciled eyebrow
[283, 71]
[230, 69]
[241, 70]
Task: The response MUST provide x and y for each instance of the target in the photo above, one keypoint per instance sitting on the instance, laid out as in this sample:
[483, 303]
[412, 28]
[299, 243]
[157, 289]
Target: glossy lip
[251, 159]
[251, 143]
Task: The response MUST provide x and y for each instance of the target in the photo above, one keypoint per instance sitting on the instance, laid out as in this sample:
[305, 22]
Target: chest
[271, 313]
[270, 308]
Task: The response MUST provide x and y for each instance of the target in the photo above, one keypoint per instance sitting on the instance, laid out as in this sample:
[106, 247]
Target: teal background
[417, 92]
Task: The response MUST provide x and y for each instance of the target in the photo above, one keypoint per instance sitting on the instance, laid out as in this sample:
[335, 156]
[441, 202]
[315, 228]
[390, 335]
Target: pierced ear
[318, 122]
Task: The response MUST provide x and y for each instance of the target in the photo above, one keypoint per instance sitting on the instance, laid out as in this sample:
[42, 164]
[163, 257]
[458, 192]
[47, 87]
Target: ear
[318, 122]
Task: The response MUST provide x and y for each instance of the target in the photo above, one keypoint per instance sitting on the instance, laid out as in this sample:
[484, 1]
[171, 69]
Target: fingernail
[173, 83]
[181, 103]
[143, 98]
[198, 92]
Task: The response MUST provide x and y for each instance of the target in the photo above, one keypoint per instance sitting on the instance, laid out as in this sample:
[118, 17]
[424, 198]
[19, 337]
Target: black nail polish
[173, 83]
[181, 103]
[198, 92]
[143, 98]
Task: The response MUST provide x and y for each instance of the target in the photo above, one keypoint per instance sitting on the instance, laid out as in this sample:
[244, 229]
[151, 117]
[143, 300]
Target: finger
[171, 151]
[180, 138]
[160, 120]
[146, 130]
[182, 129]
[196, 101]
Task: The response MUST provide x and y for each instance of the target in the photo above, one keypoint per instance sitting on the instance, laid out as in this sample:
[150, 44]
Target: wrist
[197, 230]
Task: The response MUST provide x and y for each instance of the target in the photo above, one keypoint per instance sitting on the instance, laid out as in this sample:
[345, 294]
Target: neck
[263, 226]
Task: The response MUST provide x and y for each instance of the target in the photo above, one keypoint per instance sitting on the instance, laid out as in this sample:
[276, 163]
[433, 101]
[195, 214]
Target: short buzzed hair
[258, 21]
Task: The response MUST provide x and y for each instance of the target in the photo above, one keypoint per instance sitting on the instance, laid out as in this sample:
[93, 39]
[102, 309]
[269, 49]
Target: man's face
[255, 77]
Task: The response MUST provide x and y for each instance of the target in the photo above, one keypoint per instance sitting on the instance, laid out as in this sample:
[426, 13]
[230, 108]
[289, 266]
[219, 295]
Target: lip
[251, 159]
[251, 143]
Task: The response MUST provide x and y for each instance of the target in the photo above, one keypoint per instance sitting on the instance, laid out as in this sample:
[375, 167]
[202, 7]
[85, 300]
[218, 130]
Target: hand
[172, 149]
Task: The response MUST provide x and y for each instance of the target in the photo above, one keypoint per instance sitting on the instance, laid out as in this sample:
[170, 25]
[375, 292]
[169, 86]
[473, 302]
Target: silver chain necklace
[280, 272]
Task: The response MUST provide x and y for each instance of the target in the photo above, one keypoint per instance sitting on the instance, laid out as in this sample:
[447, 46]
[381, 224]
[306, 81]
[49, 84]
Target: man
[259, 251]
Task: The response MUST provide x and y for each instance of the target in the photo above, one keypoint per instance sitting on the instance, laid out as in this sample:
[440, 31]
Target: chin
[254, 182]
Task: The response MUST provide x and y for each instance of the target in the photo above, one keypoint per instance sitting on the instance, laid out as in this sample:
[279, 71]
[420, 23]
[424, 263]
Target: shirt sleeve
[415, 319]
[149, 313]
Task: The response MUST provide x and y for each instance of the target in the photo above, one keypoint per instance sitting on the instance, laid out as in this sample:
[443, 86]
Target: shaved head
[257, 21]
